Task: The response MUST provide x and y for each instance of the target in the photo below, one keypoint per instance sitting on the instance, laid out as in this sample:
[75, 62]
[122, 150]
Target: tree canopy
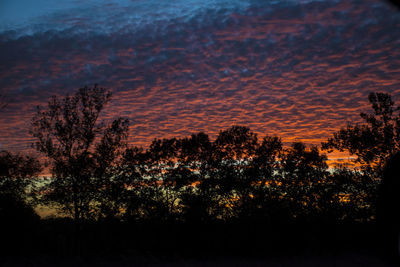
[376, 139]
[236, 176]
[82, 150]
[17, 173]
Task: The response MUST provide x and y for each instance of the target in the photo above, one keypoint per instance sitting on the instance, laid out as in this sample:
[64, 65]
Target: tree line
[96, 176]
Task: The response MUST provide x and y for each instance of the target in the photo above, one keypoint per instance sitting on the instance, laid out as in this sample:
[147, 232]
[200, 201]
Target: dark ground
[51, 243]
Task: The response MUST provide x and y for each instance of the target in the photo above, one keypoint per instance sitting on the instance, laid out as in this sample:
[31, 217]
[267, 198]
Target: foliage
[17, 172]
[375, 140]
[83, 152]
[303, 170]
[235, 177]
[231, 190]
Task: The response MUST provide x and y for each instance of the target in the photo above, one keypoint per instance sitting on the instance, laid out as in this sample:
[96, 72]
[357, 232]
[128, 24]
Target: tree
[16, 175]
[303, 170]
[346, 195]
[233, 152]
[82, 150]
[375, 140]
[265, 192]
[163, 177]
[198, 198]
[17, 172]
[388, 217]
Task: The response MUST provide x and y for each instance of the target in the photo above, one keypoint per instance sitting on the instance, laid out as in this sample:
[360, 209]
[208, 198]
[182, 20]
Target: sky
[299, 69]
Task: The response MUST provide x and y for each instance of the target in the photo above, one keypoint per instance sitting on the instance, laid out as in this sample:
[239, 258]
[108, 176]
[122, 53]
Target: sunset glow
[297, 69]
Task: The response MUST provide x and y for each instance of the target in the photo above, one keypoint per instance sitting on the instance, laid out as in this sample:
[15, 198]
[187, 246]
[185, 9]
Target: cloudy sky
[297, 69]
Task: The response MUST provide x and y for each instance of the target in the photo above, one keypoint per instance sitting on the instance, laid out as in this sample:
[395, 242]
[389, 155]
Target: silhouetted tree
[375, 140]
[233, 152]
[232, 177]
[16, 175]
[388, 206]
[152, 174]
[166, 179]
[82, 150]
[265, 190]
[133, 173]
[303, 169]
[347, 195]
[198, 198]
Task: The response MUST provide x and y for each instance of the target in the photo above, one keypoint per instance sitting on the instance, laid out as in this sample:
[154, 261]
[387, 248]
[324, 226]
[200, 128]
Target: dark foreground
[346, 260]
[52, 243]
